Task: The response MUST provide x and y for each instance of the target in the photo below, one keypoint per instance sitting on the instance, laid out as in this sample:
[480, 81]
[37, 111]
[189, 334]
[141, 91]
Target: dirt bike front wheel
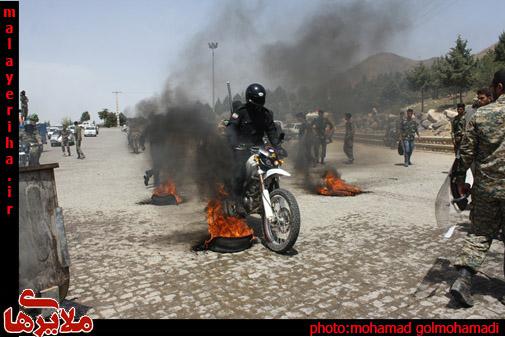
[286, 227]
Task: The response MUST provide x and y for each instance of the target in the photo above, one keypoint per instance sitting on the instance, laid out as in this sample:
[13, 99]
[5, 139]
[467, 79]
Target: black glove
[281, 152]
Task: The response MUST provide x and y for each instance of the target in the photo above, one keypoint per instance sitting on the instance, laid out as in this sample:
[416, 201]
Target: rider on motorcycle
[247, 127]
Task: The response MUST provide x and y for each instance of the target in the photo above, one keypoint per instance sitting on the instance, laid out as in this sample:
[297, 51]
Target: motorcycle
[278, 207]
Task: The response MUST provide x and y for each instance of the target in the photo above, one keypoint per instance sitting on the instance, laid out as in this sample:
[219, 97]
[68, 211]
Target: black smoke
[313, 55]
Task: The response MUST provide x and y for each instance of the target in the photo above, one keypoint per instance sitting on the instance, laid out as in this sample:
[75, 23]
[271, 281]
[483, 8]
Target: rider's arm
[232, 130]
[271, 129]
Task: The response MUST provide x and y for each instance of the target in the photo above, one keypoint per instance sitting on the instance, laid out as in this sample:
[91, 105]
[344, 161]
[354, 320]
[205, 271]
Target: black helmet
[255, 93]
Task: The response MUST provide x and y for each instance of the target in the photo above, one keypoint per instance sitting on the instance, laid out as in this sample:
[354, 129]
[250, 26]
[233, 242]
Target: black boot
[461, 288]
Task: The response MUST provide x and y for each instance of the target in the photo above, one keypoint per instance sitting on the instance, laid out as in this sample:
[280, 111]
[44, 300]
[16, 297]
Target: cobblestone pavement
[376, 255]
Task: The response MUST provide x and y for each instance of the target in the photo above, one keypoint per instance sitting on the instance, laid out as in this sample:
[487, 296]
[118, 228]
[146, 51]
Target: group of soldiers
[65, 141]
[314, 136]
[479, 143]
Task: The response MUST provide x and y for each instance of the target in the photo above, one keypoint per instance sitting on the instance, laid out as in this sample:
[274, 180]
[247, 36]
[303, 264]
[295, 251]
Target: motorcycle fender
[277, 171]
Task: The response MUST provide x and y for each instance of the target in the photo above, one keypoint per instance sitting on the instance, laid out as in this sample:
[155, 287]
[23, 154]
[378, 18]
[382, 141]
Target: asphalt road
[376, 255]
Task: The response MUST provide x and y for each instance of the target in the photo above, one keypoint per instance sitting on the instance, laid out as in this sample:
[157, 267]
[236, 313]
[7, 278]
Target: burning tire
[284, 232]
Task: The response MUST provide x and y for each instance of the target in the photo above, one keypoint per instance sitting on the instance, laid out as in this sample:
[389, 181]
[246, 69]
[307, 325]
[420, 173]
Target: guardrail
[433, 143]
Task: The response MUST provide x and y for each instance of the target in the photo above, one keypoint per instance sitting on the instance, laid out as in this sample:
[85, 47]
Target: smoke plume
[321, 46]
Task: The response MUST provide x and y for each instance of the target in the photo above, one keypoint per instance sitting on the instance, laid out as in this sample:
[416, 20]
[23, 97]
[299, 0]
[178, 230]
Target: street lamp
[212, 46]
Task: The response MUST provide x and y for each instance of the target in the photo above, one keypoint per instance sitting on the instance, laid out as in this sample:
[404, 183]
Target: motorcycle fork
[267, 208]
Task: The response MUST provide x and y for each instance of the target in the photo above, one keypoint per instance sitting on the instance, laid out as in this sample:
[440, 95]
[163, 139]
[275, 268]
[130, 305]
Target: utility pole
[212, 46]
[117, 105]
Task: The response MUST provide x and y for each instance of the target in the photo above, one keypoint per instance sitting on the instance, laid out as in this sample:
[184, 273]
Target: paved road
[376, 255]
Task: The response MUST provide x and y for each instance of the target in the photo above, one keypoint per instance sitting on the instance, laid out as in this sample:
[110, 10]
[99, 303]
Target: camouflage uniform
[458, 130]
[320, 124]
[31, 135]
[24, 105]
[65, 134]
[78, 140]
[484, 144]
[349, 140]
[408, 132]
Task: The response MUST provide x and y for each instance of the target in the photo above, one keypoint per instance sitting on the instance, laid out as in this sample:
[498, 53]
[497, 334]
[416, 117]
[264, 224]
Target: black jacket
[250, 123]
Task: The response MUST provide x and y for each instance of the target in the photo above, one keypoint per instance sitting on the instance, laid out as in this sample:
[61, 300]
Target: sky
[74, 54]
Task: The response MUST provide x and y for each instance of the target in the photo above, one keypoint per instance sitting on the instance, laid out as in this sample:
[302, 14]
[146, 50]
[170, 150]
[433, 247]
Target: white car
[89, 131]
[56, 139]
[51, 130]
[292, 130]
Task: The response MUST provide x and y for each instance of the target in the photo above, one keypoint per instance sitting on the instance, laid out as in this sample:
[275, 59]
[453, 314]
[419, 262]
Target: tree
[85, 116]
[110, 120]
[499, 50]
[459, 70]
[419, 79]
[485, 69]
[66, 122]
[103, 114]
[122, 119]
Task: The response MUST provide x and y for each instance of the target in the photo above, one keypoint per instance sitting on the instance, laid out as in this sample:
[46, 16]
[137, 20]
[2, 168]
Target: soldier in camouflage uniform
[484, 144]
[24, 104]
[65, 134]
[78, 140]
[458, 128]
[322, 126]
[408, 132]
[349, 138]
[31, 135]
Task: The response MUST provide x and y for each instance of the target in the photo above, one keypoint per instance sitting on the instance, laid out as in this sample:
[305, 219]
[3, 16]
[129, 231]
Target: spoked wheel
[282, 233]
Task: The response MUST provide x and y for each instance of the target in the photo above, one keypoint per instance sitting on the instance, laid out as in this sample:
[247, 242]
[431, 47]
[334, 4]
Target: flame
[222, 226]
[166, 189]
[332, 185]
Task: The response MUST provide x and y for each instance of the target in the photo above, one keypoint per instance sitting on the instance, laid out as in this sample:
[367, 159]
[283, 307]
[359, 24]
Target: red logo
[60, 321]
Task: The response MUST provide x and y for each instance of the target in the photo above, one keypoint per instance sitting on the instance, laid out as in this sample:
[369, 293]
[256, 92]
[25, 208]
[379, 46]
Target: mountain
[383, 63]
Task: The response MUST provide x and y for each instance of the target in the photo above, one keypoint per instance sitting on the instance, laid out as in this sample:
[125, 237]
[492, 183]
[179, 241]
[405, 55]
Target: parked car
[56, 139]
[51, 130]
[89, 131]
[292, 130]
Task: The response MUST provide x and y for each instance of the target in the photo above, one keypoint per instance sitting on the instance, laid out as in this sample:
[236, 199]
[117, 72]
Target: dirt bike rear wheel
[285, 232]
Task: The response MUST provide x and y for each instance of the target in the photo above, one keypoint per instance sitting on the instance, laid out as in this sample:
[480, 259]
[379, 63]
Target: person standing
[65, 134]
[408, 132]
[458, 128]
[322, 126]
[30, 134]
[78, 141]
[349, 138]
[484, 144]
[24, 104]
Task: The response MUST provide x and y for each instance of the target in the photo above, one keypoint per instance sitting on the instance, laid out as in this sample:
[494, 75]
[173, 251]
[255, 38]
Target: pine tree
[460, 65]
[499, 50]
[419, 78]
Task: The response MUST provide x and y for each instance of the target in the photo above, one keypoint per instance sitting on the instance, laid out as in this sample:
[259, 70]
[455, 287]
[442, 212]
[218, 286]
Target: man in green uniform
[458, 128]
[408, 132]
[349, 138]
[31, 135]
[65, 134]
[484, 144]
[322, 127]
[24, 104]
[78, 140]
